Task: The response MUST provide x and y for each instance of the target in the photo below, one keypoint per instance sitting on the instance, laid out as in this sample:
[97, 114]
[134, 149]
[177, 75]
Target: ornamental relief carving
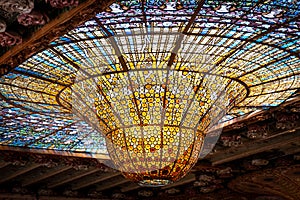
[32, 18]
[46, 37]
[62, 3]
[281, 181]
[10, 39]
[18, 6]
[2, 26]
[48, 160]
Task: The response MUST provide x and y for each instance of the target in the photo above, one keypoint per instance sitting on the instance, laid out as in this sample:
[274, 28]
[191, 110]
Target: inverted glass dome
[152, 66]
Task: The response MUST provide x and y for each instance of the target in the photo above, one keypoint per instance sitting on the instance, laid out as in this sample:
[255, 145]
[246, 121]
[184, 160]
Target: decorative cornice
[102, 157]
[32, 18]
[10, 38]
[281, 181]
[62, 3]
[17, 6]
[24, 158]
[51, 31]
[2, 25]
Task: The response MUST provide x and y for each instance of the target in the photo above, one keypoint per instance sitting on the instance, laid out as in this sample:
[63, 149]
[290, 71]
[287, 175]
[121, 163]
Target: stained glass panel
[254, 44]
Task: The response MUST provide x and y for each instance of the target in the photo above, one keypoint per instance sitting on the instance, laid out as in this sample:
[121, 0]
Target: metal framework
[255, 43]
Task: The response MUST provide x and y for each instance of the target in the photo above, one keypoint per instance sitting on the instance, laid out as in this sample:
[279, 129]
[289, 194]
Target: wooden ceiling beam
[4, 164]
[189, 178]
[112, 184]
[292, 149]
[86, 183]
[48, 174]
[20, 172]
[13, 196]
[73, 178]
[273, 142]
[130, 187]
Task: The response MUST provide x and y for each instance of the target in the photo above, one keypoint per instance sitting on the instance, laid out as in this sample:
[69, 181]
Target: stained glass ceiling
[255, 43]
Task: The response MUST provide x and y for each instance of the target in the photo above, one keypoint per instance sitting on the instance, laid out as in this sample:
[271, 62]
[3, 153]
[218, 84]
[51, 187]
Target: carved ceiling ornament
[257, 131]
[32, 18]
[2, 26]
[281, 181]
[286, 121]
[53, 30]
[77, 163]
[10, 39]
[62, 3]
[18, 6]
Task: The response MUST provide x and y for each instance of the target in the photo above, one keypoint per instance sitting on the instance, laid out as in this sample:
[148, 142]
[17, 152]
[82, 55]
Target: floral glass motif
[155, 119]
[250, 47]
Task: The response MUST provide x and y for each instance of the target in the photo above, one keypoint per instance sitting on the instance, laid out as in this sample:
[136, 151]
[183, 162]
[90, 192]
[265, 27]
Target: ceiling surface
[246, 163]
[48, 152]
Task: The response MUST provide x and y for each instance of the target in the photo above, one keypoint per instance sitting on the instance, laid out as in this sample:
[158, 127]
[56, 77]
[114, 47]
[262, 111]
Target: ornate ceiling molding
[62, 3]
[18, 6]
[33, 18]
[26, 158]
[281, 181]
[40, 40]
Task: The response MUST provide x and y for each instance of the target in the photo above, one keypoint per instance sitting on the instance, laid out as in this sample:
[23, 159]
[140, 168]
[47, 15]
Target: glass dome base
[154, 182]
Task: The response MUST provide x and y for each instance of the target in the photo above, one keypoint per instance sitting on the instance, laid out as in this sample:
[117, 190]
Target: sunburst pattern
[112, 67]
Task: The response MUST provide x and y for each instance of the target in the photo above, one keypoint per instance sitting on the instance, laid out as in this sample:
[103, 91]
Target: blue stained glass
[240, 39]
[65, 39]
[35, 73]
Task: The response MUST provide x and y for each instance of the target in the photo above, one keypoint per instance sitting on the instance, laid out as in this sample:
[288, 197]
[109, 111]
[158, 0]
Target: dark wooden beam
[13, 196]
[4, 164]
[111, 184]
[189, 178]
[130, 187]
[48, 174]
[19, 172]
[88, 182]
[279, 140]
[73, 178]
[292, 148]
